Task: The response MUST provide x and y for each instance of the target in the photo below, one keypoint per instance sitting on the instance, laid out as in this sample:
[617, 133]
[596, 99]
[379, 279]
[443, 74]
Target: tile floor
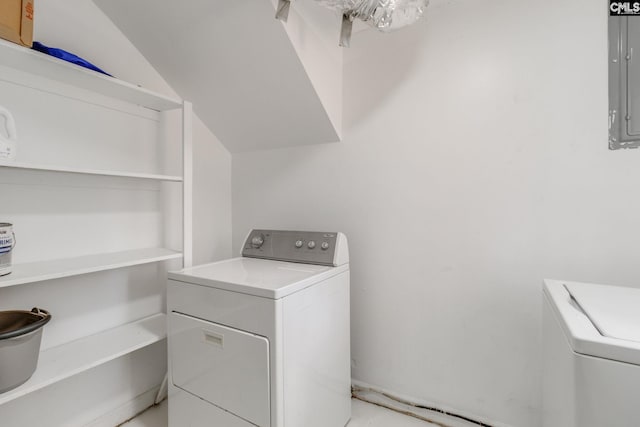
[363, 415]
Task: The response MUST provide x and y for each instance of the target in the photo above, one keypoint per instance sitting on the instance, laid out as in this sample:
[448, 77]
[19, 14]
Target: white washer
[591, 355]
[263, 339]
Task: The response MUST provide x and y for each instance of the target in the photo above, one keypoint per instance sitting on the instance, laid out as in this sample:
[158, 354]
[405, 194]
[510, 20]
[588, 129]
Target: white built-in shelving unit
[66, 267]
[21, 66]
[62, 362]
[38, 64]
[85, 171]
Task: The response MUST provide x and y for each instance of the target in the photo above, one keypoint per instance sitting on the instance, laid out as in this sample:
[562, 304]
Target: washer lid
[578, 306]
[613, 310]
[259, 277]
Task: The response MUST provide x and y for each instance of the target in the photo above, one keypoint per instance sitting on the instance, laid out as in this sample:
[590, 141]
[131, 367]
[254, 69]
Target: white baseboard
[127, 411]
[444, 417]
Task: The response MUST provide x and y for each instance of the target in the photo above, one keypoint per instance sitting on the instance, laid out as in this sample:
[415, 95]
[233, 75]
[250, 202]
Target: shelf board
[58, 363]
[40, 64]
[56, 269]
[31, 166]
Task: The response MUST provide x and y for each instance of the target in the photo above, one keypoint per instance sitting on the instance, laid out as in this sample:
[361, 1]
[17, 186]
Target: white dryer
[591, 355]
[263, 339]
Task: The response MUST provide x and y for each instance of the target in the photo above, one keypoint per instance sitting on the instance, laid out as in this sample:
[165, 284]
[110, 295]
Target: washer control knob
[311, 244]
[324, 246]
[298, 243]
[257, 241]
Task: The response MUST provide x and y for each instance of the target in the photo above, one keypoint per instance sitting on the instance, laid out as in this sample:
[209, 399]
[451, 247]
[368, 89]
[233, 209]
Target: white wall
[211, 197]
[99, 215]
[474, 164]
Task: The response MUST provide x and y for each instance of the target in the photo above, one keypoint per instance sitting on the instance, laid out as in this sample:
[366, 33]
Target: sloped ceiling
[238, 66]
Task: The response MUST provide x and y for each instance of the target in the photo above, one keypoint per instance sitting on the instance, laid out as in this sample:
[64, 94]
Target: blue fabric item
[66, 56]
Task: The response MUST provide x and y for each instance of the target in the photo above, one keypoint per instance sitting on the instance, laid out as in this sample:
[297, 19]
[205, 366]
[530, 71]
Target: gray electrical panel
[624, 82]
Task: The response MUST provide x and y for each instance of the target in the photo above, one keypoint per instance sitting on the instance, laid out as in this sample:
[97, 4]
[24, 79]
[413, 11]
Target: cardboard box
[16, 21]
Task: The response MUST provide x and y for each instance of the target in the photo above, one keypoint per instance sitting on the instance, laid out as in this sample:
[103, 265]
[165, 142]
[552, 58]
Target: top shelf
[34, 62]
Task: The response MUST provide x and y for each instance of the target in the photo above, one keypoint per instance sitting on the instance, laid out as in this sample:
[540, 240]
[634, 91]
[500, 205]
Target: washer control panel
[309, 247]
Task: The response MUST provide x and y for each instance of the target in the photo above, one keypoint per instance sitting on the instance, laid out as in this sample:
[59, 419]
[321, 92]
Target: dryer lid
[613, 310]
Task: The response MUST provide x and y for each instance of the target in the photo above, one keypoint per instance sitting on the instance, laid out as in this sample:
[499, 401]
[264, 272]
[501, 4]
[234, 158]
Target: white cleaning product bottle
[8, 143]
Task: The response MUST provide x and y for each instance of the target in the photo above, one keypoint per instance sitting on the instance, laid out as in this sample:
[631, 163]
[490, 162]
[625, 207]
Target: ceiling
[254, 81]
